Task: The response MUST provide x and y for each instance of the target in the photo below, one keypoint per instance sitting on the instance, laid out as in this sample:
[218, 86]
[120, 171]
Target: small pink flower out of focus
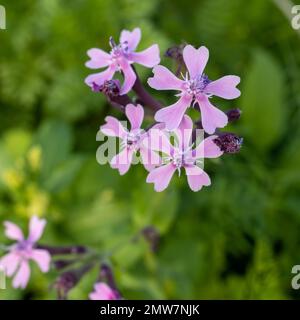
[16, 262]
[120, 58]
[103, 292]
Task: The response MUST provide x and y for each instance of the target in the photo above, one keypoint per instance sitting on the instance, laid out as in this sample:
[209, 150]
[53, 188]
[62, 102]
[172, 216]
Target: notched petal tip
[195, 59]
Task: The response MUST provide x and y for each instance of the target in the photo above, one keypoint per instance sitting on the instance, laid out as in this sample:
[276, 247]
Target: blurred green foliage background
[238, 238]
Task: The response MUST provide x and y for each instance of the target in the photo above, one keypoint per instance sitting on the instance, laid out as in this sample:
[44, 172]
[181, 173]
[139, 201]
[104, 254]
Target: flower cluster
[153, 146]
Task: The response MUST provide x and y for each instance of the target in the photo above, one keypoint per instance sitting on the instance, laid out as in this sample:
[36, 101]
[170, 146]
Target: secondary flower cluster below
[16, 262]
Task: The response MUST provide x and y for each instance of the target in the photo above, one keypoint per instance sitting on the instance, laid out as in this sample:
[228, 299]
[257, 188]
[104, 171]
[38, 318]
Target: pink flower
[16, 262]
[120, 58]
[103, 292]
[194, 88]
[181, 156]
[131, 140]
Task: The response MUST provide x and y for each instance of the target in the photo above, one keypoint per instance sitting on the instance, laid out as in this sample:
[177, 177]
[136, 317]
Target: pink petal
[101, 77]
[42, 258]
[129, 76]
[158, 140]
[12, 231]
[113, 128]
[36, 228]
[99, 59]
[211, 117]
[197, 178]
[164, 79]
[208, 149]
[10, 263]
[171, 116]
[195, 59]
[161, 176]
[184, 132]
[150, 158]
[135, 115]
[224, 87]
[103, 292]
[22, 276]
[122, 161]
[132, 38]
[148, 57]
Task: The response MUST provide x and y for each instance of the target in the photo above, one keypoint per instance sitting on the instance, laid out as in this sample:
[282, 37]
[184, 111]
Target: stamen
[197, 85]
[132, 139]
[125, 46]
[112, 43]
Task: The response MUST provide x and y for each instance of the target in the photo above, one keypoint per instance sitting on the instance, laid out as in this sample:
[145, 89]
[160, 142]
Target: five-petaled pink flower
[131, 140]
[195, 88]
[120, 59]
[181, 156]
[103, 292]
[16, 262]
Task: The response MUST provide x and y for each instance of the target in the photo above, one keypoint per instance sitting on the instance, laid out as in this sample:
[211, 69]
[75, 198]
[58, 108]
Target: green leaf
[55, 138]
[262, 101]
[16, 142]
[151, 208]
[64, 174]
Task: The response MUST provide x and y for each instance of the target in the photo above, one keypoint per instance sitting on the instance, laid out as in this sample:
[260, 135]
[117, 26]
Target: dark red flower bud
[106, 274]
[111, 88]
[229, 142]
[175, 52]
[233, 114]
[68, 280]
[151, 235]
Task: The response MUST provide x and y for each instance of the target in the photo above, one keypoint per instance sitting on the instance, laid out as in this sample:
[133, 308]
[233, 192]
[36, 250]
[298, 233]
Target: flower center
[196, 85]
[181, 159]
[118, 51]
[133, 138]
[24, 248]
[178, 160]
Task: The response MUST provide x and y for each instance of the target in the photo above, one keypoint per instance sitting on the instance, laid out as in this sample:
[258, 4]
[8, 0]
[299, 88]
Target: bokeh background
[237, 239]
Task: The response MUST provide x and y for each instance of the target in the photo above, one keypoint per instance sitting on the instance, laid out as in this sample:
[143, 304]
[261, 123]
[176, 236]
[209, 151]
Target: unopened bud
[175, 52]
[233, 114]
[106, 274]
[151, 235]
[68, 280]
[229, 142]
[111, 88]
